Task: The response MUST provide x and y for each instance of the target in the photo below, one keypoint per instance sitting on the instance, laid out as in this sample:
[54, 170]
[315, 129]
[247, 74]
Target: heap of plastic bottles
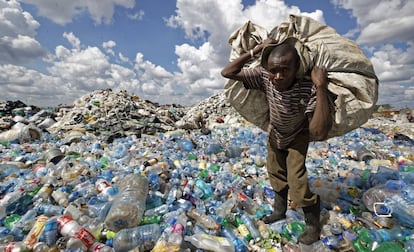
[186, 191]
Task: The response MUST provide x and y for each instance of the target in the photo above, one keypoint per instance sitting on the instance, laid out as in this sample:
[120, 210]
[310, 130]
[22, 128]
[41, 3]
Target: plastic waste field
[195, 190]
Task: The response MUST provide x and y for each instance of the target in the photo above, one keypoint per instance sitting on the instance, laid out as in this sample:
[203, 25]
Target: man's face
[282, 68]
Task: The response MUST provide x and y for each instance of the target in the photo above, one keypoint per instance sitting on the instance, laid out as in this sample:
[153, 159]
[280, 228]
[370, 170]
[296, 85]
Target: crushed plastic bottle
[129, 205]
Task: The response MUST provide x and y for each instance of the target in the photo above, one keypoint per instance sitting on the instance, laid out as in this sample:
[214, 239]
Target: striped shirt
[288, 109]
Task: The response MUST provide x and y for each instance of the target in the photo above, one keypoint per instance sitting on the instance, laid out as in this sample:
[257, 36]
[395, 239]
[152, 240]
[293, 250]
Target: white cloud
[139, 15]
[17, 32]
[380, 25]
[108, 45]
[63, 12]
[73, 40]
[382, 21]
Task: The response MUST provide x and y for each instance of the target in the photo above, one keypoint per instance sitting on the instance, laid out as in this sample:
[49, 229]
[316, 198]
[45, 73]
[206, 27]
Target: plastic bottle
[19, 203]
[204, 187]
[130, 238]
[27, 221]
[225, 208]
[408, 193]
[34, 234]
[100, 247]
[293, 230]
[129, 205]
[263, 229]
[400, 210]
[106, 192]
[67, 226]
[40, 247]
[247, 204]
[393, 234]
[44, 193]
[60, 197]
[242, 228]
[239, 245]
[161, 243]
[251, 226]
[210, 242]
[159, 210]
[277, 227]
[332, 242]
[205, 220]
[18, 246]
[50, 209]
[177, 233]
[82, 239]
[50, 231]
[376, 194]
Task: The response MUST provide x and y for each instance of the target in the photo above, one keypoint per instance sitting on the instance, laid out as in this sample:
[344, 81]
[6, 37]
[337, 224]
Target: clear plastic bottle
[176, 235]
[205, 220]
[129, 205]
[210, 242]
[408, 193]
[60, 197]
[225, 208]
[263, 229]
[400, 210]
[130, 238]
[18, 246]
[100, 247]
[83, 239]
[44, 193]
[67, 226]
[247, 204]
[40, 247]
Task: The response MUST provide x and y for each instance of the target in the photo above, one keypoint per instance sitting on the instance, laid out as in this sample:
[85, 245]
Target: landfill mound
[117, 112]
[111, 112]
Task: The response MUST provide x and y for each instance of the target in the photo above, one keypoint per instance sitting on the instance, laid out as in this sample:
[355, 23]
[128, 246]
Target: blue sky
[53, 52]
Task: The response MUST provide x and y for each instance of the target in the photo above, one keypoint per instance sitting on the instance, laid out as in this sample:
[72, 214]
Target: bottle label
[243, 230]
[86, 237]
[63, 220]
[34, 234]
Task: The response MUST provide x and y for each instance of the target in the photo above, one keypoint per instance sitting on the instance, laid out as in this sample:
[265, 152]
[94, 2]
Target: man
[299, 111]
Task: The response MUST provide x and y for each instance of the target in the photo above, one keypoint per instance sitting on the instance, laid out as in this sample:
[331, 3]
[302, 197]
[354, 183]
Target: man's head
[282, 61]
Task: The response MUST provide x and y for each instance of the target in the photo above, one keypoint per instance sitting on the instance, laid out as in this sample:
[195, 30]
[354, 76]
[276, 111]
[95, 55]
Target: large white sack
[352, 80]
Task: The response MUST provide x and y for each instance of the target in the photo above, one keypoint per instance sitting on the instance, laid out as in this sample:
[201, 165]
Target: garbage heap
[116, 173]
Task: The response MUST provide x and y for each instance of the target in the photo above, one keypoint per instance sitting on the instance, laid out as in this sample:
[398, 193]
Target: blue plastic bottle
[50, 232]
[239, 245]
[400, 210]
[251, 226]
[408, 193]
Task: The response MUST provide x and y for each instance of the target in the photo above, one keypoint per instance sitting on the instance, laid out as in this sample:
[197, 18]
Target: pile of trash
[113, 172]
